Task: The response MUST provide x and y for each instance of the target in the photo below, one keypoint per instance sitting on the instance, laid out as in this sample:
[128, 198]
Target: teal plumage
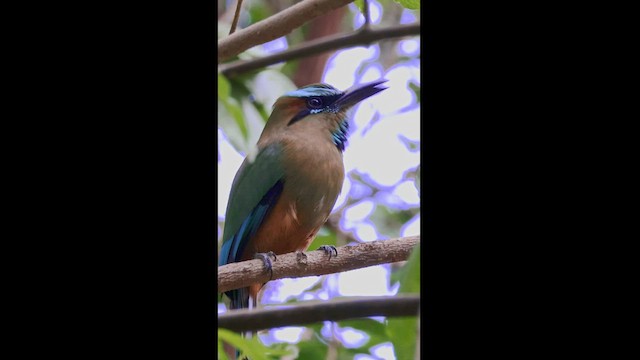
[242, 221]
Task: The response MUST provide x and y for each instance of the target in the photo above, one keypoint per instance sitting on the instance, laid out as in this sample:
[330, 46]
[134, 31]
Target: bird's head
[321, 104]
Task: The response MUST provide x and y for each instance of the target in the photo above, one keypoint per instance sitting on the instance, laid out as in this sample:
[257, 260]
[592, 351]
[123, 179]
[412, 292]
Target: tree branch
[293, 265]
[314, 311]
[275, 26]
[364, 36]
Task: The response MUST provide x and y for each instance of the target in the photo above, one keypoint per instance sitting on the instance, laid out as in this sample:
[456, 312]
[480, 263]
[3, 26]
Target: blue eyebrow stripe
[312, 91]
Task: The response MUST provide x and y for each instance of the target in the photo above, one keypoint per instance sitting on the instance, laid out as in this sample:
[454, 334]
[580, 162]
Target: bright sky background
[377, 152]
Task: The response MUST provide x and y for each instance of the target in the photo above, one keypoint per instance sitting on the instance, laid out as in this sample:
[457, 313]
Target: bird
[285, 190]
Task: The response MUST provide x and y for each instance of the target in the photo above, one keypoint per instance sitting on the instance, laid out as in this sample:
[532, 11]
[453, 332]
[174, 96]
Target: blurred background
[380, 197]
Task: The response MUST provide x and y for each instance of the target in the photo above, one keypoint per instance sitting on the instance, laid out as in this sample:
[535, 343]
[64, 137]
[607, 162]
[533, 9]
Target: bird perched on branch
[284, 192]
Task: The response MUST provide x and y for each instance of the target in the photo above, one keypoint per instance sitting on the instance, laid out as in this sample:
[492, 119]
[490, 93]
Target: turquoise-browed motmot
[281, 196]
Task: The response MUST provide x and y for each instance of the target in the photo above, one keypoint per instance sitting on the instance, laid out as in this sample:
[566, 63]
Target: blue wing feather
[232, 250]
[255, 191]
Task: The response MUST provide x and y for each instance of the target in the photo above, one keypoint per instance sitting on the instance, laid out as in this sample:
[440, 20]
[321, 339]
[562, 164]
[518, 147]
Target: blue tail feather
[232, 250]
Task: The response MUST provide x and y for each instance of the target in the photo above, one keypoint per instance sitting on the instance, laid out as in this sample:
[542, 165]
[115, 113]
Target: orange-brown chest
[313, 177]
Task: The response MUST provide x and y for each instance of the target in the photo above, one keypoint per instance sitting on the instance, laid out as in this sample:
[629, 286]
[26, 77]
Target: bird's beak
[358, 93]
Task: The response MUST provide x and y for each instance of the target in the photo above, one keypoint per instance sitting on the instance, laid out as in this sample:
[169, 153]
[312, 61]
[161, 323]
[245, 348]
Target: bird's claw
[329, 250]
[265, 257]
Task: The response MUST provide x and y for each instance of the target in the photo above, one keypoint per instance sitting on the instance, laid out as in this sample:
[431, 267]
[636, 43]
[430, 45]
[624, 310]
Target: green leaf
[236, 112]
[254, 121]
[258, 12]
[252, 348]
[312, 349]
[410, 281]
[389, 221]
[417, 181]
[224, 88]
[409, 4]
[375, 329]
[402, 330]
[349, 354]
[289, 68]
[324, 238]
[221, 354]
[411, 145]
[291, 349]
[315, 327]
[416, 89]
[360, 5]
[232, 123]
[402, 333]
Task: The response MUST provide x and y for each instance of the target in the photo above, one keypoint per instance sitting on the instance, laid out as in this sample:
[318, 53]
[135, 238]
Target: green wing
[255, 190]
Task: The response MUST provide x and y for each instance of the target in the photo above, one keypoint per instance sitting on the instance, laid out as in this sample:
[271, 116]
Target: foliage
[251, 347]
[325, 237]
[243, 120]
[409, 4]
[244, 104]
[402, 330]
[416, 90]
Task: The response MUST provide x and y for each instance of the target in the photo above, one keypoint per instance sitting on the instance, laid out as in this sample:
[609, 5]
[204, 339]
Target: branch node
[301, 258]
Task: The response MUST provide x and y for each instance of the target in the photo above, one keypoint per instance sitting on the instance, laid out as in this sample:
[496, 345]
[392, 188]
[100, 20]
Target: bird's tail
[239, 300]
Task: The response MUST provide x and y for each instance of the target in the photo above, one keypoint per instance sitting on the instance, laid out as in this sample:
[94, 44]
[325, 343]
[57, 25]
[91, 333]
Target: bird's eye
[314, 103]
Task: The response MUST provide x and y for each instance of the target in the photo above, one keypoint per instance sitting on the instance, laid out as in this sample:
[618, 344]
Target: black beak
[358, 93]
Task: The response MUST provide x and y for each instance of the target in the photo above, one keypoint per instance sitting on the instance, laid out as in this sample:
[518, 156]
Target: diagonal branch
[309, 312]
[275, 26]
[293, 265]
[364, 36]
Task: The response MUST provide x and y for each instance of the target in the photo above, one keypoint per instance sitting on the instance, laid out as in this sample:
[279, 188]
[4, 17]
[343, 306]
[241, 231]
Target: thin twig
[313, 263]
[367, 18]
[361, 37]
[314, 311]
[235, 17]
[275, 26]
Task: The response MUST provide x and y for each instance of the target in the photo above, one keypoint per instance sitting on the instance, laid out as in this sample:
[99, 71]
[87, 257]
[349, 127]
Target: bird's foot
[265, 257]
[329, 250]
